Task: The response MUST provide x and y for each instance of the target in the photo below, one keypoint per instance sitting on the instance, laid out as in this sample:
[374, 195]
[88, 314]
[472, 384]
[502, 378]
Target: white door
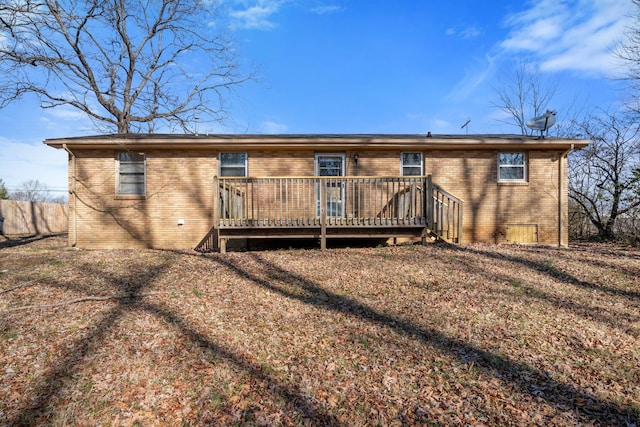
[331, 165]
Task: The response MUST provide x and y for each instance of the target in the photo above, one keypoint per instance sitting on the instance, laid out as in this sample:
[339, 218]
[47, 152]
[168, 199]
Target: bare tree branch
[604, 178]
[522, 95]
[31, 191]
[628, 51]
[125, 64]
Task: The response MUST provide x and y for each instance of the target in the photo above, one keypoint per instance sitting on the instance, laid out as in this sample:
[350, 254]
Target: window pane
[232, 171]
[512, 172]
[131, 173]
[412, 159]
[329, 166]
[131, 178]
[233, 164]
[411, 171]
[127, 168]
[233, 159]
[511, 159]
[327, 171]
[135, 188]
[511, 166]
[411, 164]
[129, 156]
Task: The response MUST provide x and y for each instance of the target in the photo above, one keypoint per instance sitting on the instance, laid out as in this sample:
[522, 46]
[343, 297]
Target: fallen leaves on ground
[402, 335]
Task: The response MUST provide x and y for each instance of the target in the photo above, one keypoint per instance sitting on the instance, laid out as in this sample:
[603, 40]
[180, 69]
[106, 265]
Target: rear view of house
[199, 191]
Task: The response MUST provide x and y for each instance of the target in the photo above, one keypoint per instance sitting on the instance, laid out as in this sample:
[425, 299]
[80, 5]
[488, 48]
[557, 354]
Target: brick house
[199, 191]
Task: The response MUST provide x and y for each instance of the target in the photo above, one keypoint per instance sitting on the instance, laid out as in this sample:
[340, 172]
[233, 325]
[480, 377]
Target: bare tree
[31, 191]
[129, 65]
[604, 178]
[628, 50]
[522, 95]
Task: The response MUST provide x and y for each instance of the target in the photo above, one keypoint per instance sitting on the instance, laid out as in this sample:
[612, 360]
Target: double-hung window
[131, 173]
[233, 164]
[512, 167]
[412, 164]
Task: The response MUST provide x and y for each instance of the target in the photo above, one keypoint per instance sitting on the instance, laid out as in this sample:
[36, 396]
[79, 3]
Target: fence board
[19, 218]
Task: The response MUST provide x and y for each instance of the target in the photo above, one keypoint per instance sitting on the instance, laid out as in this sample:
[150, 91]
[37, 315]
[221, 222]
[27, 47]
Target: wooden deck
[331, 207]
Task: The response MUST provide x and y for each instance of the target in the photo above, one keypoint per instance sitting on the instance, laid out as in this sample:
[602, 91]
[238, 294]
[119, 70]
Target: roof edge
[311, 140]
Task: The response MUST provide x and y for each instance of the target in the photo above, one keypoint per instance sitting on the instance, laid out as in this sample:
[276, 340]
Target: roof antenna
[466, 125]
[197, 119]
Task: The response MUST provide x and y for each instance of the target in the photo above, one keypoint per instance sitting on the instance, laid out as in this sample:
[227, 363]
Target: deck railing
[392, 203]
[308, 201]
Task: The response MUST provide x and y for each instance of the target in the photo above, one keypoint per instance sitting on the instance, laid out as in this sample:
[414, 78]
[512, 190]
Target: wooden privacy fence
[19, 218]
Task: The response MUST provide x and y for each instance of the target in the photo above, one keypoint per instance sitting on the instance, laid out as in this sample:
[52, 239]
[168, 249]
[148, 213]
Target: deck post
[460, 202]
[216, 212]
[323, 214]
[426, 185]
[429, 203]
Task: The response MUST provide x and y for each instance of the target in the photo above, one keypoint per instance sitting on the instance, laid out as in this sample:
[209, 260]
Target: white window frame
[119, 172]
[523, 166]
[243, 165]
[403, 165]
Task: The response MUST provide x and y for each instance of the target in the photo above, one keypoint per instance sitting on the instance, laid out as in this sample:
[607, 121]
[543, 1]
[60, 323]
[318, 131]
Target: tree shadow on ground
[39, 408]
[551, 271]
[10, 242]
[514, 285]
[512, 373]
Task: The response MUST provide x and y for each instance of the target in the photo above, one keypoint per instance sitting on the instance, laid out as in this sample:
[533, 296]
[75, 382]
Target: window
[411, 164]
[233, 164]
[330, 164]
[131, 176]
[512, 167]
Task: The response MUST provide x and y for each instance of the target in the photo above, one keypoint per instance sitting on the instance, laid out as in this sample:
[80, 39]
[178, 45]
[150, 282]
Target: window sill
[513, 183]
[130, 197]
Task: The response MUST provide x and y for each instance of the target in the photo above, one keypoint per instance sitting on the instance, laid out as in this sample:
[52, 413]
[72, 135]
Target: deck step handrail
[445, 221]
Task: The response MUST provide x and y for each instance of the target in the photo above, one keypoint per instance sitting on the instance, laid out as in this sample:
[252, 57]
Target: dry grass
[436, 335]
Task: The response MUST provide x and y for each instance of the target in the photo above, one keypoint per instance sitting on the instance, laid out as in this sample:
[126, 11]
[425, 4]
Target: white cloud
[67, 121]
[574, 35]
[259, 14]
[256, 14]
[323, 10]
[469, 32]
[273, 127]
[66, 113]
[473, 78]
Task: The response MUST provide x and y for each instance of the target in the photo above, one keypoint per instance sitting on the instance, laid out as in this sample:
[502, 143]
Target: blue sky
[354, 66]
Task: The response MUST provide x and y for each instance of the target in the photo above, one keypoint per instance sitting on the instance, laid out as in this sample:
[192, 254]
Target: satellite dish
[543, 122]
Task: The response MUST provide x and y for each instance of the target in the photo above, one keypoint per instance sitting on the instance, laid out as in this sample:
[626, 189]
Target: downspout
[560, 193]
[73, 195]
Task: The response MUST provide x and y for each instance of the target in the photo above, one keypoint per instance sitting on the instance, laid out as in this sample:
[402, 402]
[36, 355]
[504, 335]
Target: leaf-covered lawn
[437, 335]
